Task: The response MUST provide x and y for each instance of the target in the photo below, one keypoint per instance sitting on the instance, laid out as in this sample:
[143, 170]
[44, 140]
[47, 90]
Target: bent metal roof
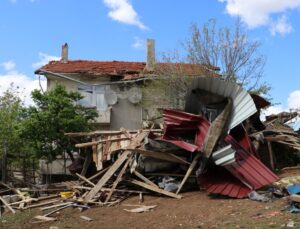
[125, 69]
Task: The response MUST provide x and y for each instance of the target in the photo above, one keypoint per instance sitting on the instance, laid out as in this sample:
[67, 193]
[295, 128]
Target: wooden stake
[188, 173]
[155, 189]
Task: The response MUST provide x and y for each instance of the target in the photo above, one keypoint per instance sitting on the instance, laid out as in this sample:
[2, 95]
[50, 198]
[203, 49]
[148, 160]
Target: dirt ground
[195, 210]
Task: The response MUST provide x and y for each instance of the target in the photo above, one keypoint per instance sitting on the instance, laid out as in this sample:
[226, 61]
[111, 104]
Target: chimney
[64, 53]
[150, 55]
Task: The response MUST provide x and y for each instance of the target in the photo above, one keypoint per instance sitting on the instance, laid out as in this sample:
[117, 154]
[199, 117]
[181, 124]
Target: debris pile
[216, 143]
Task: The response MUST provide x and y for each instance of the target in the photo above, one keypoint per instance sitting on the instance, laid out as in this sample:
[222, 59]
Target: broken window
[93, 96]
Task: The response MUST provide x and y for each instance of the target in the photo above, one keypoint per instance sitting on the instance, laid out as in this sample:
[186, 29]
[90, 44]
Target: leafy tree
[232, 50]
[55, 113]
[10, 143]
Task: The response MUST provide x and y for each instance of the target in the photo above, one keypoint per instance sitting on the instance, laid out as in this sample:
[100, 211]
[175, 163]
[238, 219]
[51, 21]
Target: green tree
[10, 142]
[55, 113]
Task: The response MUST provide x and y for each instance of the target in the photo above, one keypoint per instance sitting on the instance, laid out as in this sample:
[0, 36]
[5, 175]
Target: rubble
[216, 143]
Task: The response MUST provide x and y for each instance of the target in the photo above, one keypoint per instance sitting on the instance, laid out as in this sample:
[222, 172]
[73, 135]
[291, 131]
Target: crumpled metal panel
[219, 181]
[178, 124]
[247, 168]
[243, 104]
[224, 156]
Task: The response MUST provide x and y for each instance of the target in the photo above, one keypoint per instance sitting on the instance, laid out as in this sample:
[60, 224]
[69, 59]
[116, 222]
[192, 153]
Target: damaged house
[213, 136]
[113, 87]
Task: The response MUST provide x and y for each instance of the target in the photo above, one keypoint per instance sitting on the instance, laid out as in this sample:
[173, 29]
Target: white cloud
[24, 84]
[138, 43]
[281, 26]
[122, 11]
[44, 59]
[294, 100]
[8, 65]
[257, 13]
[272, 110]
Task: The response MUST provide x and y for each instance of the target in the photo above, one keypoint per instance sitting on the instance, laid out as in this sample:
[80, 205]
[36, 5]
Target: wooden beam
[88, 144]
[118, 179]
[154, 189]
[86, 164]
[109, 132]
[58, 209]
[109, 189]
[162, 156]
[7, 205]
[107, 176]
[146, 180]
[188, 173]
[85, 179]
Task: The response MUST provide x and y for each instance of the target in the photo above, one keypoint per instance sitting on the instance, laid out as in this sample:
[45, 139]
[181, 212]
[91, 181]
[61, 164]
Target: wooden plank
[54, 206]
[96, 175]
[188, 173]
[109, 132]
[146, 180]
[58, 209]
[135, 142]
[155, 189]
[45, 218]
[118, 179]
[141, 209]
[94, 149]
[109, 189]
[85, 218]
[41, 204]
[94, 143]
[107, 176]
[162, 156]
[7, 205]
[85, 179]
[86, 164]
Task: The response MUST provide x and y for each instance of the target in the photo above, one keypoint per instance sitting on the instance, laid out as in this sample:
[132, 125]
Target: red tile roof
[128, 70]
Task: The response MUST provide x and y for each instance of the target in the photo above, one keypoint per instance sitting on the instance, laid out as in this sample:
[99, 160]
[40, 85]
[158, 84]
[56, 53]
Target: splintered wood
[111, 184]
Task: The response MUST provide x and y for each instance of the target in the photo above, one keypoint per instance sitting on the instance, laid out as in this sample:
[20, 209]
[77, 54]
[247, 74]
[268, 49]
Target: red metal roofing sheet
[178, 122]
[248, 168]
[219, 181]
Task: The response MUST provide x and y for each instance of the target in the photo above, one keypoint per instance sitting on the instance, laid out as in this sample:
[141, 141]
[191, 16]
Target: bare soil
[195, 210]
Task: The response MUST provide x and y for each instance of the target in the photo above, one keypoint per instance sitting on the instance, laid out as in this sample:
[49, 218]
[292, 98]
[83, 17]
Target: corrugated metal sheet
[178, 125]
[248, 169]
[244, 172]
[219, 181]
[243, 104]
[224, 156]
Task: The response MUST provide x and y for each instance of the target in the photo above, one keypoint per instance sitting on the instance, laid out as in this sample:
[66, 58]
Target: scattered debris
[141, 209]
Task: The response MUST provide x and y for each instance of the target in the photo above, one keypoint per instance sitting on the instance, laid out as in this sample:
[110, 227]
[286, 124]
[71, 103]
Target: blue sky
[32, 32]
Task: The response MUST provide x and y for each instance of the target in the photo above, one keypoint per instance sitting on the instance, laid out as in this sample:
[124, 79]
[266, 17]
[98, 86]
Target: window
[93, 96]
